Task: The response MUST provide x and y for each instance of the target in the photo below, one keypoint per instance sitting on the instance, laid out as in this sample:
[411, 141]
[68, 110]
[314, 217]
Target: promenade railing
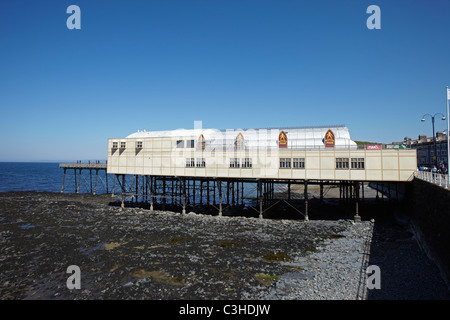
[441, 180]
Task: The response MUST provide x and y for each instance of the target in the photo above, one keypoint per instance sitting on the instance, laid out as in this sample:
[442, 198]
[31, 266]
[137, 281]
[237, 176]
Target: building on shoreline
[424, 147]
[181, 166]
[306, 153]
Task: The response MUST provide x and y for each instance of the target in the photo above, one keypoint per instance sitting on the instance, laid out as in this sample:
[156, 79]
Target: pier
[81, 180]
[218, 195]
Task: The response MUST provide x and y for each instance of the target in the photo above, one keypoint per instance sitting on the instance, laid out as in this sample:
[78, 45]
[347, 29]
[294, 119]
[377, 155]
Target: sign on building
[329, 139]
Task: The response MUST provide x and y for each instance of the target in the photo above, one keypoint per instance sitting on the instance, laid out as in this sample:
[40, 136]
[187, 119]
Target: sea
[48, 176]
[30, 176]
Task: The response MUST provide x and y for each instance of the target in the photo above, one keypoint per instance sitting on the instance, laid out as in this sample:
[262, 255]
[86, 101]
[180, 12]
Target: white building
[313, 153]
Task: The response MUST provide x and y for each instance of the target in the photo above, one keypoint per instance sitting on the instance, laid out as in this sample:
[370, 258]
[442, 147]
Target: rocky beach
[134, 253]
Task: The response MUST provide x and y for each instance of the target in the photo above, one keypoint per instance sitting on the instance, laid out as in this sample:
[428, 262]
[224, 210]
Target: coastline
[133, 253]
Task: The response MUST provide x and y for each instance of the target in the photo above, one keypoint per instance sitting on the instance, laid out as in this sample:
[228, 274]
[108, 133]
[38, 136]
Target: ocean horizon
[48, 177]
[34, 176]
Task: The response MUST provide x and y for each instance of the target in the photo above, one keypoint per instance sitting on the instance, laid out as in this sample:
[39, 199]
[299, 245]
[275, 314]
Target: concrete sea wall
[428, 206]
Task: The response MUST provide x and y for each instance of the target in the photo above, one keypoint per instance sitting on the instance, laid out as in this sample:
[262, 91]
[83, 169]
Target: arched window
[239, 143]
[201, 142]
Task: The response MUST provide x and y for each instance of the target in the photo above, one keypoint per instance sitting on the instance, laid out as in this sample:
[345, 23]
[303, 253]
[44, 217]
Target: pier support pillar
[123, 193]
[219, 184]
[114, 183]
[289, 191]
[184, 197]
[96, 177]
[321, 192]
[306, 200]
[357, 217]
[151, 193]
[261, 197]
[64, 177]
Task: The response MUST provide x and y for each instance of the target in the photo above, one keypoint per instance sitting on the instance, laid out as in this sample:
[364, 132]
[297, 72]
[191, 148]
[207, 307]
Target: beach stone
[134, 253]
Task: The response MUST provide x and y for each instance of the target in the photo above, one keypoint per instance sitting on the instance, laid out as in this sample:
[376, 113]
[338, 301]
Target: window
[285, 163]
[123, 145]
[341, 163]
[358, 163]
[246, 163]
[139, 144]
[201, 143]
[190, 144]
[190, 162]
[239, 143]
[115, 145]
[180, 143]
[234, 163]
[200, 162]
[298, 163]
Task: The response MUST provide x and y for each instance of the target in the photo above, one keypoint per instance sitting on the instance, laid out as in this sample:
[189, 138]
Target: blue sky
[163, 64]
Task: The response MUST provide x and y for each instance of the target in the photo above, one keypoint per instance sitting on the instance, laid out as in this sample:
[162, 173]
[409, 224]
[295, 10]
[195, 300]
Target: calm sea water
[30, 176]
[48, 176]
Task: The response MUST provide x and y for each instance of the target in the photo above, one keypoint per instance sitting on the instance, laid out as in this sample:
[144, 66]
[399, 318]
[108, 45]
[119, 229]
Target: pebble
[196, 256]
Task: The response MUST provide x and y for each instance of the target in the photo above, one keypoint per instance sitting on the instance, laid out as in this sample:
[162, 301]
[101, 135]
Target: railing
[441, 180]
[83, 165]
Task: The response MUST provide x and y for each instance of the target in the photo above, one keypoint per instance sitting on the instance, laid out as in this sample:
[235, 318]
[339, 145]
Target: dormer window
[138, 144]
[115, 145]
[123, 145]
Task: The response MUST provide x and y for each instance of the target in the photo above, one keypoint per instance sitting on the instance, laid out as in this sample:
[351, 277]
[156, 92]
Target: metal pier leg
[233, 199]
[362, 190]
[106, 178]
[377, 197]
[151, 193]
[220, 197]
[264, 192]
[321, 192]
[306, 201]
[193, 192]
[136, 188]
[260, 199]
[90, 178]
[64, 177]
[146, 189]
[228, 192]
[114, 183]
[184, 196]
[237, 192]
[260, 207]
[95, 185]
[75, 180]
[289, 191]
[214, 192]
[123, 195]
[172, 191]
[207, 192]
[164, 193]
[201, 192]
[357, 217]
